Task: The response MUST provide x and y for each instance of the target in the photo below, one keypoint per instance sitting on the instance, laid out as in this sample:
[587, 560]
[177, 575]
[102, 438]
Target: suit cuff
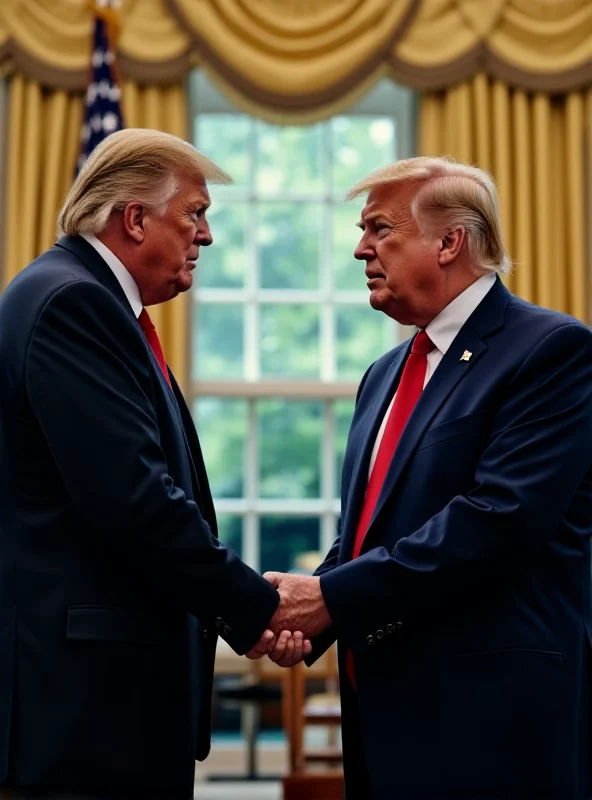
[244, 632]
[360, 629]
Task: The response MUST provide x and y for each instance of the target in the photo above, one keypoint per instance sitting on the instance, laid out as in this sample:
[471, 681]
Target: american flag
[103, 112]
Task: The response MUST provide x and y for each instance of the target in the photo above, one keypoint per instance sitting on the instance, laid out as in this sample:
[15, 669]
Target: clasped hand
[301, 614]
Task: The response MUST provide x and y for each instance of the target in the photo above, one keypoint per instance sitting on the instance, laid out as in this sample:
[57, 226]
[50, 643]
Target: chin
[378, 302]
[184, 283]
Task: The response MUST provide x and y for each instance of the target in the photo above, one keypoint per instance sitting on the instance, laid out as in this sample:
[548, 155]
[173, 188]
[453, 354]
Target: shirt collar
[127, 283]
[443, 329]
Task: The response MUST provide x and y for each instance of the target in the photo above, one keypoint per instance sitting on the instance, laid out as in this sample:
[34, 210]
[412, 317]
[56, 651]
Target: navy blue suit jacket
[469, 609]
[113, 585]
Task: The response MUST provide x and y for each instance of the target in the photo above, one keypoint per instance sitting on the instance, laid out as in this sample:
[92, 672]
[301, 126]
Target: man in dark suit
[459, 585]
[113, 585]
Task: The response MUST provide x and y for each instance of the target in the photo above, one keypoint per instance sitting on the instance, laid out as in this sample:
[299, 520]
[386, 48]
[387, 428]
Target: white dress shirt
[127, 283]
[442, 330]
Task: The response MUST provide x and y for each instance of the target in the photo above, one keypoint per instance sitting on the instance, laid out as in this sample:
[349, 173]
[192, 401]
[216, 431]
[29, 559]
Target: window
[281, 327]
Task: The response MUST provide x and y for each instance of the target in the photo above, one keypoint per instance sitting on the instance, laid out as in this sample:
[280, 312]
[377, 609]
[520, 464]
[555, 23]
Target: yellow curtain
[43, 144]
[301, 59]
[535, 146]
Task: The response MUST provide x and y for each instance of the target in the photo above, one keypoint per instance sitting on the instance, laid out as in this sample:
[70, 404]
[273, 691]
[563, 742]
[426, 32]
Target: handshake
[300, 615]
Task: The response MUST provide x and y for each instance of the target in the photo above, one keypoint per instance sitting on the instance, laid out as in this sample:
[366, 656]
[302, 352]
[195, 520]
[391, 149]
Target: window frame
[327, 390]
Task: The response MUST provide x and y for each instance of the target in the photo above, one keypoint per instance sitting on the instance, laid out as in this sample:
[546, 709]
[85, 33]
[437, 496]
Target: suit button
[205, 633]
[390, 628]
[379, 634]
[370, 639]
[218, 621]
[226, 630]
[398, 625]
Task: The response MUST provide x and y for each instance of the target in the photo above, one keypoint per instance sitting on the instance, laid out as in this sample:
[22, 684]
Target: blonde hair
[135, 164]
[450, 195]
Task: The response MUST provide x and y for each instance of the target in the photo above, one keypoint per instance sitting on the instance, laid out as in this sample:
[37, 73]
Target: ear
[133, 221]
[450, 246]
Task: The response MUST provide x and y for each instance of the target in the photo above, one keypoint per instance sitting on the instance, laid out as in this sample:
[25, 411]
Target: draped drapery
[296, 55]
[537, 45]
[538, 148]
[43, 145]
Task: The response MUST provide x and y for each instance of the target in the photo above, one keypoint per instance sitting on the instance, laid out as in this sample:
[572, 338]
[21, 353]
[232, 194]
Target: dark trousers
[357, 780]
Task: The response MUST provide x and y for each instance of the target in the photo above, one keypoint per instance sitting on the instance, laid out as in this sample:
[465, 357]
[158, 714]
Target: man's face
[171, 243]
[404, 275]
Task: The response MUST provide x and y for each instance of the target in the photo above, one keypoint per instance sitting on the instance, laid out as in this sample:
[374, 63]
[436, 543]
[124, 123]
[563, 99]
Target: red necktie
[408, 393]
[154, 342]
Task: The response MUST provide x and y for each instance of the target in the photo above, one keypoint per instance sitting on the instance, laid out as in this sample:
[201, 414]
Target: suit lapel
[451, 371]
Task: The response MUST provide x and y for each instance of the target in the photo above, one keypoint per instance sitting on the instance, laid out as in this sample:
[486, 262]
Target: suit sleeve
[89, 385]
[538, 453]
[322, 642]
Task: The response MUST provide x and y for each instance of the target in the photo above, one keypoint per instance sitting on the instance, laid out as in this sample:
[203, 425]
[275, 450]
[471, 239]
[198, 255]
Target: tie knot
[422, 344]
[145, 321]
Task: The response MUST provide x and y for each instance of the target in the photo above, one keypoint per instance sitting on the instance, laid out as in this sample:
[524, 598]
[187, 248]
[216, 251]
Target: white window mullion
[327, 333]
[252, 368]
[251, 540]
[328, 529]
[276, 296]
[290, 296]
[351, 297]
[221, 296]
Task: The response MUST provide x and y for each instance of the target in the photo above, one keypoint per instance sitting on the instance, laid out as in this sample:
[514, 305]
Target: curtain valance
[293, 55]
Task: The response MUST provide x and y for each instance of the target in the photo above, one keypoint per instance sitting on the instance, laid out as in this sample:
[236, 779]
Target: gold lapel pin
[466, 356]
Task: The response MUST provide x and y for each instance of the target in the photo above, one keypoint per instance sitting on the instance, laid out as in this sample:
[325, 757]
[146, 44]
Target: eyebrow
[199, 206]
[372, 215]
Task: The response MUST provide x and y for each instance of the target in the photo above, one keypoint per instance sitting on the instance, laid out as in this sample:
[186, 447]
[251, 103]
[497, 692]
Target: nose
[364, 252]
[203, 235]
